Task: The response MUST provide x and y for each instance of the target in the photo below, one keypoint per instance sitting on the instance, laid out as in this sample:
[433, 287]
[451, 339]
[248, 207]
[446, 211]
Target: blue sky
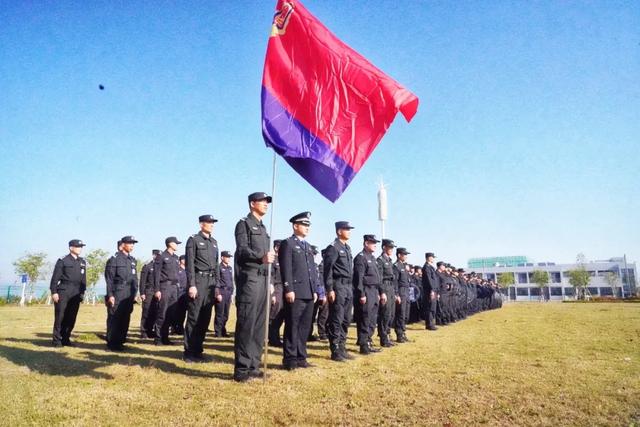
[526, 141]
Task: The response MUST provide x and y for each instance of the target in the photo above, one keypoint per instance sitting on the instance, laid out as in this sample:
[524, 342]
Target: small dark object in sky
[101, 87]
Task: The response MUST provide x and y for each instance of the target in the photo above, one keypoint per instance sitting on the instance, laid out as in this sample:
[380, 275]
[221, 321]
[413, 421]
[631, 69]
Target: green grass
[526, 364]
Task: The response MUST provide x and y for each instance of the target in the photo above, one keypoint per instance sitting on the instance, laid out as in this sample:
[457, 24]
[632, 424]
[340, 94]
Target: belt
[205, 273]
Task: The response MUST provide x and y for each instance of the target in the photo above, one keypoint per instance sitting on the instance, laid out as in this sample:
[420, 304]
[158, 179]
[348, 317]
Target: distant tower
[382, 204]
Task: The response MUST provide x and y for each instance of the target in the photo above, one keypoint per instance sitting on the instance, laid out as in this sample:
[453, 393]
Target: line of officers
[178, 293]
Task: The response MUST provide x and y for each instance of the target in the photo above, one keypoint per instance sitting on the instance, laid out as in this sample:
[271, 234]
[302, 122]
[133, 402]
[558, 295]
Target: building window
[490, 276]
[522, 278]
[569, 292]
[593, 291]
[606, 292]
[522, 292]
[556, 291]
[535, 292]
[555, 277]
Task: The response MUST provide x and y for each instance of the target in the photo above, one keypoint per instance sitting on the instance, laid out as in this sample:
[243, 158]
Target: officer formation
[181, 294]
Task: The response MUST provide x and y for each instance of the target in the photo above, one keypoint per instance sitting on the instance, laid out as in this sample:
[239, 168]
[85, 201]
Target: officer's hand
[273, 300]
[315, 297]
[290, 297]
[142, 297]
[323, 301]
[363, 300]
[331, 297]
[383, 299]
[55, 297]
[193, 292]
[112, 301]
[269, 257]
[219, 298]
[158, 295]
[398, 300]
[433, 295]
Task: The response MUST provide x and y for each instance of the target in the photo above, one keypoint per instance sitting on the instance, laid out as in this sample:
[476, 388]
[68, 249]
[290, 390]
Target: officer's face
[226, 259]
[127, 247]
[430, 260]
[301, 230]
[344, 234]
[260, 206]
[183, 263]
[402, 257]
[206, 227]
[388, 250]
[75, 250]
[173, 246]
[370, 246]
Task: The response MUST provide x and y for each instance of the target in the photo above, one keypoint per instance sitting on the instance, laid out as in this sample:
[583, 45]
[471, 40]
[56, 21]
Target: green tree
[612, 280]
[96, 261]
[506, 279]
[35, 266]
[540, 278]
[579, 278]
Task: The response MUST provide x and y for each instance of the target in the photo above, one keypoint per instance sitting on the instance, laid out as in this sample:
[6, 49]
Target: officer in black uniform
[299, 282]
[226, 290]
[386, 312]
[203, 275]
[122, 286]
[252, 259]
[68, 283]
[165, 284]
[429, 291]
[367, 293]
[402, 301]
[322, 304]
[442, 310]
[149, 303]
[338, 276]
[181, 303]
[276, 313]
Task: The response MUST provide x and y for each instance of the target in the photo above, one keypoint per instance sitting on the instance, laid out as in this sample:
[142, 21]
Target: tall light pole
[382, 205]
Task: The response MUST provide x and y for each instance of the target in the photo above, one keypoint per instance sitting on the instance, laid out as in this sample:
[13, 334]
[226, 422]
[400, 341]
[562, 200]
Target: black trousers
[198, 315]
[430, 306]
[366, 314]
[65, 313]
[402, 312]
[250, 323]
[166, 310]
[119, 316]
[149, 312]
[180, 313]
[323, 317]
[386, 313]
[297, 324]
[222, 313]
[340, 314]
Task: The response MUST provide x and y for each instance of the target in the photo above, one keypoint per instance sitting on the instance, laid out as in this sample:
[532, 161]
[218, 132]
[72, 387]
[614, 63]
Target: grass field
[526, 364]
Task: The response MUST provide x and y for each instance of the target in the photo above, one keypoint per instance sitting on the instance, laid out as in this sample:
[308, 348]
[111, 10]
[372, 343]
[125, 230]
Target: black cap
[156, 252]
[370, 238]
[277, 242]
[343, 225]
[128, 239]
[76, 243]
[429, 254]
[207, 218]
[439, 263]
[226, 254]
[402, 251]
[314, 249]
[172, 239]
[254, 197]
[388, 243]
[461, 270]
[181, 257]
[301, 218]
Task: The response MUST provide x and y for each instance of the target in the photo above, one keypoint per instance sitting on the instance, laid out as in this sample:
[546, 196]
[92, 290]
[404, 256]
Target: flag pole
[268, 299]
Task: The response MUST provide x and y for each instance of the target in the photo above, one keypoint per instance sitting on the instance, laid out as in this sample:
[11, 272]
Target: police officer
[203, 277]
[299, 282]
[68, 284]
[429, 291]
[443, 293]
[276, 313]
[321, 307]
[181, 303]
[386, 312]
[367, 293]
[402, 297]
[226, 290]
[165, 284]
[252, 258]
[149, 303]
[122, 285]
[338, 276]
